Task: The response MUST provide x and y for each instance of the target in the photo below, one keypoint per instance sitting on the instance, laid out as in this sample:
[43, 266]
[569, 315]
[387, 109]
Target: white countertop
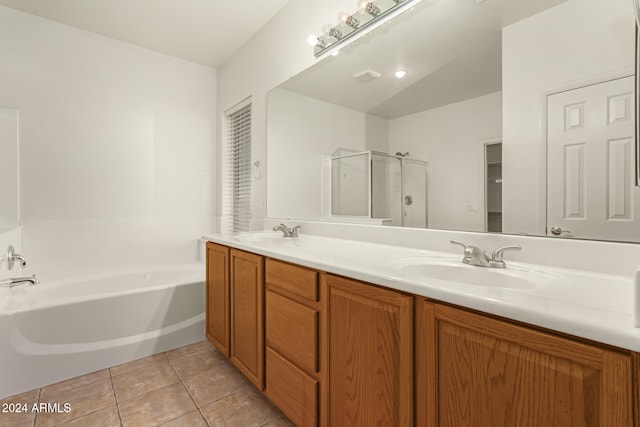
[595, 306]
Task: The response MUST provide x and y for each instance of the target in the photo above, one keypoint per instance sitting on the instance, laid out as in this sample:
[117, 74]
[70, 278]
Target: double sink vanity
[392, 328]
[344, 332]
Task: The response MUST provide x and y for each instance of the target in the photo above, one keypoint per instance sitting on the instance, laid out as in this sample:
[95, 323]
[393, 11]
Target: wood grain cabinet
[235, 308]
[331, 351]
[475, 370]
[247, 315]
[218, 297]
[293, 341]
[369, 351]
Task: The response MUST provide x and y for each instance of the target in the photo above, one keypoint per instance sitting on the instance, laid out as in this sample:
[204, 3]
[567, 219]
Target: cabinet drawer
[292, 279]
[295, 393]
[292, 330]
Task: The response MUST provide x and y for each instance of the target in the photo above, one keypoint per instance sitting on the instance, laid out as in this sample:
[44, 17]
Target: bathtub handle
[12, 257]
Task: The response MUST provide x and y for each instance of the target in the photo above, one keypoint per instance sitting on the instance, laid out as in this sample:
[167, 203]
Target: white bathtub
[64, 328]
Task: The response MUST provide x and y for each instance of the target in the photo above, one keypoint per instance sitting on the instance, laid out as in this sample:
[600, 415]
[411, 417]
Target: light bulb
[312, 40]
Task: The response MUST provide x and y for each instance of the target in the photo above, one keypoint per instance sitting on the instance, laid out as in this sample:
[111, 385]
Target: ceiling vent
[367, 76]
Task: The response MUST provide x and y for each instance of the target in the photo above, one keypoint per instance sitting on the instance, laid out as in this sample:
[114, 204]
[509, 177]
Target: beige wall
[451, 138]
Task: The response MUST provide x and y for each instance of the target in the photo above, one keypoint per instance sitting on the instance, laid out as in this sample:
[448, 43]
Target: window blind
[237, 175]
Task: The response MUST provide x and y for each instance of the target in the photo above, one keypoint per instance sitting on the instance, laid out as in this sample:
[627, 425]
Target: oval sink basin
[454, 271]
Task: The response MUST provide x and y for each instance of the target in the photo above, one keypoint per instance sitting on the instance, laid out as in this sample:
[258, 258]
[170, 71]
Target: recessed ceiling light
[400, 74]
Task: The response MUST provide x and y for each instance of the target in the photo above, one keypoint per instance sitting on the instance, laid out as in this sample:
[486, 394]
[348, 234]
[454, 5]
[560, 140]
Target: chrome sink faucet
[286, 231]
[473, 255]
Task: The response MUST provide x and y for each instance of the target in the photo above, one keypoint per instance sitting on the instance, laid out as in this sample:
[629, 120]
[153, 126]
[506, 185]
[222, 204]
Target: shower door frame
[403, 185]
[403, 188]
[369, 179]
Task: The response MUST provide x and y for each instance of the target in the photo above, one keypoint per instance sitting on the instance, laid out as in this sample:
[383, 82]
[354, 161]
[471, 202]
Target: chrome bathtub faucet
[17, 281]
[286, 231]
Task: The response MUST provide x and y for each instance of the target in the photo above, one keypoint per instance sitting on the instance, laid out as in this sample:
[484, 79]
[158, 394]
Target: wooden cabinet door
[247, 315]
[369, 350]
[477, 371]
[217, 311]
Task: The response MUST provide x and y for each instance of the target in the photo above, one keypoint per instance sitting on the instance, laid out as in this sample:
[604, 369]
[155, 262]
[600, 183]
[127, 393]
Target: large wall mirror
[523, 112]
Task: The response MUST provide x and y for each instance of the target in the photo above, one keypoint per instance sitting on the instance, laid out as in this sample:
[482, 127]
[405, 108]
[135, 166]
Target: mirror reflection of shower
[383, 188]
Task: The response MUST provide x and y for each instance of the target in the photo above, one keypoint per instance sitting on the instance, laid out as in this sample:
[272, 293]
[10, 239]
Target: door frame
[487, 142]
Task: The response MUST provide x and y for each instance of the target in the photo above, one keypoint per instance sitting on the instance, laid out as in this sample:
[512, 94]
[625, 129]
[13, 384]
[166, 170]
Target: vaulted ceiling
[207, 32]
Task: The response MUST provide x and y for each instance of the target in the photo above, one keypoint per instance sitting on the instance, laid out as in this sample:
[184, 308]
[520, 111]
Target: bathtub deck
[189, 386]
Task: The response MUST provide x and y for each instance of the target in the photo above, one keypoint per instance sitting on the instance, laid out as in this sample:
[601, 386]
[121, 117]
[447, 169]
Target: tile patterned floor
[190, 386]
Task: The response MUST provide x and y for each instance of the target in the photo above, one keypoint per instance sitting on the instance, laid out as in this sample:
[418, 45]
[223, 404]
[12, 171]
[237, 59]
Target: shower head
[405, 154]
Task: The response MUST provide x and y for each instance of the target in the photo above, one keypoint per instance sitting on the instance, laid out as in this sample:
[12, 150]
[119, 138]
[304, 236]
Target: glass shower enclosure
[377, 185]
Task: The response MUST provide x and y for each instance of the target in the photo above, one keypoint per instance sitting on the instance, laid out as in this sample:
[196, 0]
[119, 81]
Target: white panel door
[591, 189]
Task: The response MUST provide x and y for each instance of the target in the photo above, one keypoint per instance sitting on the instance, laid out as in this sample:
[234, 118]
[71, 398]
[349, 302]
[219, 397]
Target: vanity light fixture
[400, 74]
[368, 13]
[352, 22]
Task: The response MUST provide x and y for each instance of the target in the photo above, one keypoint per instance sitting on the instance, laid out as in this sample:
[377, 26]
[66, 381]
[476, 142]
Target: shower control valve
[12, 257]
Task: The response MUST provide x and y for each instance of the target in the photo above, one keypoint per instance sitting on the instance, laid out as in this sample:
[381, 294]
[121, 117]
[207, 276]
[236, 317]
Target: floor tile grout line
[119, 415]
[189, 393]
[204, 418]
[115, 398]
[35, 416]
[175, 370]
[171, 364]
